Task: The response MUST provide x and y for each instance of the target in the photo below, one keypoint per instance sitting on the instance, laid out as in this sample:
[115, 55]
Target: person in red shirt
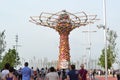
[83, 72]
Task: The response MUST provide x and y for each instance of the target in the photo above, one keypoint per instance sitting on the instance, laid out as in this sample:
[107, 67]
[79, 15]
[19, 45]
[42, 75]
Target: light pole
[16, 45]
[105, 42]
[105, 34]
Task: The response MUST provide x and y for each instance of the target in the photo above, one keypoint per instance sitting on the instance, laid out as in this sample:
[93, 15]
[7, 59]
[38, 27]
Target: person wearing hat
[83, 72]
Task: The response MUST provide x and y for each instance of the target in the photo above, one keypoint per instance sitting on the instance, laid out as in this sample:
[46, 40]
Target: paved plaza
[99, 78]
[103, 78]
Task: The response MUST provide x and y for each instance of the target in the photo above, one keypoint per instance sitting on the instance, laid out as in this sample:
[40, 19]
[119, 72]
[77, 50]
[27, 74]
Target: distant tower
[16, 43]
[63, 22]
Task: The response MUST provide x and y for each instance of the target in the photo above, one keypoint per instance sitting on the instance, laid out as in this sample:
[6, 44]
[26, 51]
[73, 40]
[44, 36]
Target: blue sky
[42, 42]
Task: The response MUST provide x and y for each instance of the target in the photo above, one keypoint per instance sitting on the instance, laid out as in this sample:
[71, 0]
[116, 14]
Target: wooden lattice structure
[63, 22]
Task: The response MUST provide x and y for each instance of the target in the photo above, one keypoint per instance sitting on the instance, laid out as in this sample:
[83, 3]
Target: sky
[39, 42]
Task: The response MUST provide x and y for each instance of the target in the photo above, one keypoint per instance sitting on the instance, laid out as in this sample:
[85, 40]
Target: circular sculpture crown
[63, 20]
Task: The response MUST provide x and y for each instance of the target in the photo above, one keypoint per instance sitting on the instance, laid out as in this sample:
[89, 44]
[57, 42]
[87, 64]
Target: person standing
[26, 72]
[63, 74]
[32, 73]
[118, 74]
[73, 74]
[0, 74]
[10, 75]
[19, 74]
[83, 72]
[52, 75]
[5, 71]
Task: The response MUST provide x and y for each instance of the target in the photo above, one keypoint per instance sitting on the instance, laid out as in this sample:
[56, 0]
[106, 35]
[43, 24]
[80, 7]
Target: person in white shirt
[52, 75]
[5, 71]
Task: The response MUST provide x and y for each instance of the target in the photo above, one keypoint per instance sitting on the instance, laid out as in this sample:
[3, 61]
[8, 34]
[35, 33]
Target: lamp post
[105, 42]
[16, 44]
[104, 26]
[105, 35]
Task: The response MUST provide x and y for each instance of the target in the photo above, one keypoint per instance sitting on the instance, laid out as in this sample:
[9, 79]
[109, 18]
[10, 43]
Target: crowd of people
[27, 73]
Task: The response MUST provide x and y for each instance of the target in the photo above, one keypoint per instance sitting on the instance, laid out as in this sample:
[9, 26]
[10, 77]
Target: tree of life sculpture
[63, 22]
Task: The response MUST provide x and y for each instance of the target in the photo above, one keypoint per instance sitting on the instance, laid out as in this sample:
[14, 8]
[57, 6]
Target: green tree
[2, 43]
[111, 53]
[11, 57]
